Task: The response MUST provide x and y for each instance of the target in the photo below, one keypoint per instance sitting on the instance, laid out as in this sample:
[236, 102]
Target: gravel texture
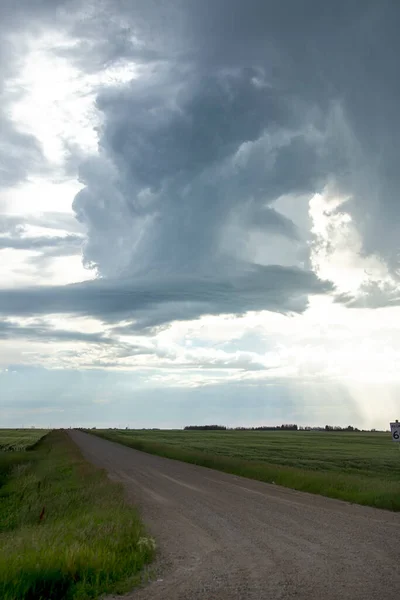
[222, 537]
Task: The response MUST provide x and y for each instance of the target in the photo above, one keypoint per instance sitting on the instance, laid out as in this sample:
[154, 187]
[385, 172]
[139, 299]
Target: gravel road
[223, 537]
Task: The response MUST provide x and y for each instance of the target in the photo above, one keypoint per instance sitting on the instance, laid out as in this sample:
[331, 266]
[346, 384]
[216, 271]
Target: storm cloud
[152, 302]
[217, 157]
[234, 107]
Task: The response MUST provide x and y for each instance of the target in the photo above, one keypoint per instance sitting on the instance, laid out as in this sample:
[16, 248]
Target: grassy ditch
[352, 483]
[65, 529]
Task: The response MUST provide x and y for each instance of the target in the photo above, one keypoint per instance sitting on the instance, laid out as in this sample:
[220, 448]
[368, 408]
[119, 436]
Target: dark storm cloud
[173, 174]
[238, 104]
[149, 301]
[269, 219]
[205, 120]
[235, 105]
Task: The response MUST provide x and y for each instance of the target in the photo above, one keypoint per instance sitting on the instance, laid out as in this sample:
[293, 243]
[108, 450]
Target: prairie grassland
[19, 439]
[359, 467]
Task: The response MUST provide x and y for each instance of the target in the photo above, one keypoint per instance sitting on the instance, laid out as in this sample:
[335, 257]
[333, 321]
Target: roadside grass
[8, 461]
[66, 531]
[352, 476]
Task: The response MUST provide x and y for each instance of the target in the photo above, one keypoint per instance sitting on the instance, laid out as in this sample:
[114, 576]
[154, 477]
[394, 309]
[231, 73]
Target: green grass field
[19, 439]
[66, 531]
[363, 468]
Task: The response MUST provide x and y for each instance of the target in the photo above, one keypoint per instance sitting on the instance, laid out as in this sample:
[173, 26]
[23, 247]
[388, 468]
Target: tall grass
[371, 489]
[65, 529]
[7, 462]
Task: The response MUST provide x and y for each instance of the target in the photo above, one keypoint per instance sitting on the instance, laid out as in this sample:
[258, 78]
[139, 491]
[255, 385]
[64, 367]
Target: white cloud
[58, 103]
[336, 251]
[38, 196]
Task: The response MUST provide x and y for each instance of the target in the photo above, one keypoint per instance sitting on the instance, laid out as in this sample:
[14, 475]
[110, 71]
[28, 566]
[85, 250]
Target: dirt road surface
[223, 537]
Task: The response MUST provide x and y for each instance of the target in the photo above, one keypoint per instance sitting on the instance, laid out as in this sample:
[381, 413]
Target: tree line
[205, 427]
[283, 427]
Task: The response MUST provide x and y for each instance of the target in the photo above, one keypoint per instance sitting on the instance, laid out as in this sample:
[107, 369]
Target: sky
[199, 213]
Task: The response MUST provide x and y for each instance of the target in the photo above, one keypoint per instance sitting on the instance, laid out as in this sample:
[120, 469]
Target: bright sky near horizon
[199, 213]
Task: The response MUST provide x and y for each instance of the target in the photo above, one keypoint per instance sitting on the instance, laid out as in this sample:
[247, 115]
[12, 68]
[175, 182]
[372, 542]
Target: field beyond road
[15, 440]
[228, 538]
[360, 467]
